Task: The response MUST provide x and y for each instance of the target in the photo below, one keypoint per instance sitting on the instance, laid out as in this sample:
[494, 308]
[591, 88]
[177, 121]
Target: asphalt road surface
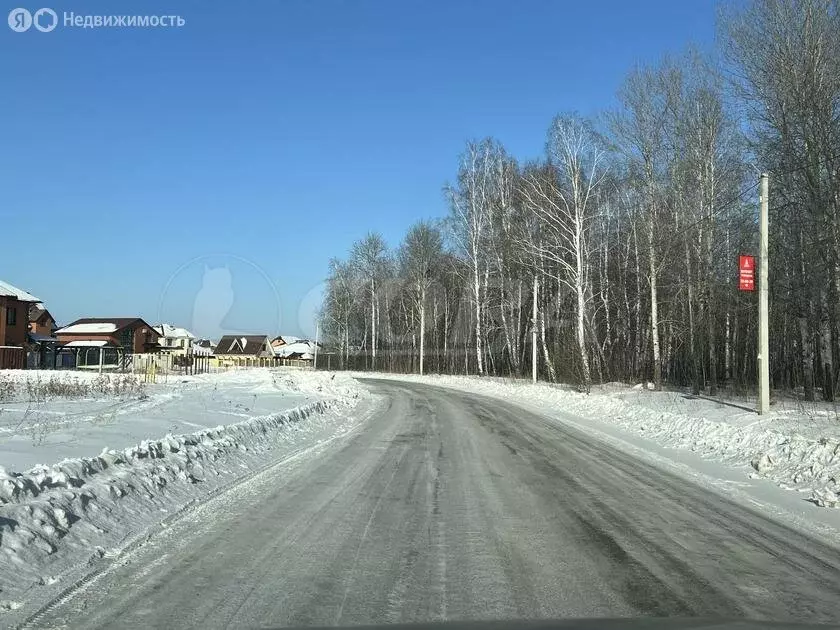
[448, 505]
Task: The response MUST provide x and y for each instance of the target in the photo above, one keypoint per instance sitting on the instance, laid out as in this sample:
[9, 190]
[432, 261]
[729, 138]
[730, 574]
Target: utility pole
[315, 358]
[534, 336]
[763, 323]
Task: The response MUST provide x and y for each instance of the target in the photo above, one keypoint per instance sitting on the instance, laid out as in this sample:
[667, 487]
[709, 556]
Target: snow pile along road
[56, 518]
[796, 446]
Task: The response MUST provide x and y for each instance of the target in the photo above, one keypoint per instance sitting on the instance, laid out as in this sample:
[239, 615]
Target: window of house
[127, 338]
[11, 316]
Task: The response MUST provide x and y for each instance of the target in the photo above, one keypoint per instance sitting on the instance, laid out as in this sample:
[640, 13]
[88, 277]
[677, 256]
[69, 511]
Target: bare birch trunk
[373, 322]
[581, 308]
[826, 352]
[477, 294]
[654, 314]
[637, 346]
[422, 326]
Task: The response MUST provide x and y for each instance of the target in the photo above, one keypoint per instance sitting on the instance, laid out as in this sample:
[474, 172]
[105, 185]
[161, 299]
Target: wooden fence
[12, 358]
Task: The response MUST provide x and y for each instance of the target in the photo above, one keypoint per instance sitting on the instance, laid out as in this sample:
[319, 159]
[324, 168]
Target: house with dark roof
[42, 341]
[41, 322]
[244, 350]
[130, 334]
[283, 340]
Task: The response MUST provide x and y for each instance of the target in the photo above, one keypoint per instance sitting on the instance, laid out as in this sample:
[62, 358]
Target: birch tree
[420, 257]
[564, 204]
[369, 257]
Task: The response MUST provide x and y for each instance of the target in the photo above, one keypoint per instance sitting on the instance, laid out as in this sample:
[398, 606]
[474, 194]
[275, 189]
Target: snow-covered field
[797, 445]
[88, 464]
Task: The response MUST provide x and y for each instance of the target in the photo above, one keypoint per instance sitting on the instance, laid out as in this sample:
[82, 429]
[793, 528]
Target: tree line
[613, 255]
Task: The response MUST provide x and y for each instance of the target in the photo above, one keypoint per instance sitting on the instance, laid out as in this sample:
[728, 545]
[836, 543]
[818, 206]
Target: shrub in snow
[38, 387]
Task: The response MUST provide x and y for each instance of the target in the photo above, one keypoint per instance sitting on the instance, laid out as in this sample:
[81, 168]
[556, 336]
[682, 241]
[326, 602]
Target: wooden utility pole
[763, 324]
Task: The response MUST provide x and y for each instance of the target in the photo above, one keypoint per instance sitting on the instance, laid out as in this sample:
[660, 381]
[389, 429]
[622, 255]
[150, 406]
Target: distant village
[30, 339]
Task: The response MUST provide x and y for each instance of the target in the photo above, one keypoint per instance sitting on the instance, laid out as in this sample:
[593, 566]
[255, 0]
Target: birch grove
[614, 254]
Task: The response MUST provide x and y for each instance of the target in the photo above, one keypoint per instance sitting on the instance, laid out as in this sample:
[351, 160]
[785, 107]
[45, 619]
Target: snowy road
[447, 505]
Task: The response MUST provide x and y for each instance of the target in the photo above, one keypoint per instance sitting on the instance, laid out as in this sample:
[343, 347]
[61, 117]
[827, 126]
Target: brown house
[283, 340]
[244, 350]
[41, 323]
[131, 334]
[14, 325]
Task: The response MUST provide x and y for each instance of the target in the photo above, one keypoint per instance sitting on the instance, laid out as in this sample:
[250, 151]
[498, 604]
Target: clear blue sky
[265, 137]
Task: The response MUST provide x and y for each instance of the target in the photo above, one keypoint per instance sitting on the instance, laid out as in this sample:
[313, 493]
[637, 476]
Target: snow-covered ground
[796, 446]
[92, 412]
[88, 464]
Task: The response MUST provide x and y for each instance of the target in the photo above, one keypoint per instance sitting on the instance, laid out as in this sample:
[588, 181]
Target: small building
[284, 340]
[41, 322]
[303, 350]
[174, 339]
[244, 350]
[14, 325]
[203, 347]
[300, 353]
[106, 341]
[43, 343]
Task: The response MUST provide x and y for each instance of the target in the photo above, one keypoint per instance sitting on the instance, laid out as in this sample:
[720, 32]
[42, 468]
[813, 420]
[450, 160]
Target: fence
[164, 363]
[12, 358]
[150, 365]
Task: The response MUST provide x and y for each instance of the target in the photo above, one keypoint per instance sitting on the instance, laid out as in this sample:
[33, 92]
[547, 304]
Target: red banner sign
[746, 273]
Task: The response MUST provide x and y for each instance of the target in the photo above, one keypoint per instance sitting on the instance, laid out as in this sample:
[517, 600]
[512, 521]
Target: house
[41, 323]
[282, 340]
[14, 325]
[174, 339]
[203, 347]
[244, 350]
[106, 340]
[301, 350]
[42, 341]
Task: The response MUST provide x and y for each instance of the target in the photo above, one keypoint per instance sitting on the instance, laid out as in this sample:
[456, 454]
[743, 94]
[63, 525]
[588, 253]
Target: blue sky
[265, 137]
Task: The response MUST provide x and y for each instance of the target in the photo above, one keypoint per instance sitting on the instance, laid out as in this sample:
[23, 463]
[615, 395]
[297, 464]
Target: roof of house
[37, 311]
[304, 349]
[168, 330]
[7, 289]
[284, 339]
[241, 344]
[86, 343]
[100, 325]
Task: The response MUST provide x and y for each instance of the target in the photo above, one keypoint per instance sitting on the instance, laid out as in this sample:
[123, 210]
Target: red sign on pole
[746, 273]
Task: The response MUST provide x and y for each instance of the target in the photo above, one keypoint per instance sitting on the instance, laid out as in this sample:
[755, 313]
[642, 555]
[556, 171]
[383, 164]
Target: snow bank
[56, 518]
[797, 447]
[56, 415]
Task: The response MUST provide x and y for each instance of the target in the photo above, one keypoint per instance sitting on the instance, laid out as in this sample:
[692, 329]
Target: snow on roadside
[65, 414]
[797, 448]
[55, 518]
